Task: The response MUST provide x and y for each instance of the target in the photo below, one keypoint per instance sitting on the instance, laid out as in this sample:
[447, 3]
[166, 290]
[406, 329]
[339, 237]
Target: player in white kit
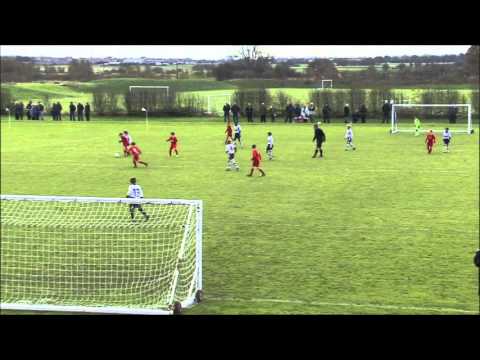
[270, 146]
[230, 149]
[349, 138]
[447, 136]
[135, 191]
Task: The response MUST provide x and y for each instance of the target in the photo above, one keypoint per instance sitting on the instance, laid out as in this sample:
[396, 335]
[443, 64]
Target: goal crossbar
[27, 242]
[394, 122]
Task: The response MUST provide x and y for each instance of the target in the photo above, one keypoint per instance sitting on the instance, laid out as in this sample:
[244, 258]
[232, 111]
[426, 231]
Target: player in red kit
[256, 158]
[430, 140]
[173, 143]
[135, 151]
[124, 141]
[229, 132]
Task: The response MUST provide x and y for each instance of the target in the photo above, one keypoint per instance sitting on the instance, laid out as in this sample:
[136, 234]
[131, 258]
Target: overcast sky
[221, 51]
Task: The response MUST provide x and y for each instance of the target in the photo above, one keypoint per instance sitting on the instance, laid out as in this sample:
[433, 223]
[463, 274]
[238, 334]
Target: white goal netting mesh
[457, 117]
[92, 253]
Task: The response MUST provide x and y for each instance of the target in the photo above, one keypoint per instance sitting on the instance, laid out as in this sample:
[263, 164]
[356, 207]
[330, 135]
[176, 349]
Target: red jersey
[124, 140]
[256, 156]
[431, 138]
[229, 131]
[135, 150]
[173, 140]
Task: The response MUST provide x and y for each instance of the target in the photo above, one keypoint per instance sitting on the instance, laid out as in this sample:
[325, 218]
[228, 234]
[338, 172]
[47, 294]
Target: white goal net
[87, 254]
[457, 117]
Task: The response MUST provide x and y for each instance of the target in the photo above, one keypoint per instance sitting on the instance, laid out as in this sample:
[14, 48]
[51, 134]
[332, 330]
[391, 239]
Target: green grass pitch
[385, 229]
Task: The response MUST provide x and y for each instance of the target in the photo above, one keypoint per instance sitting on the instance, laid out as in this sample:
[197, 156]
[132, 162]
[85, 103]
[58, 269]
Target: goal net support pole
[86, 254]
[394, 118]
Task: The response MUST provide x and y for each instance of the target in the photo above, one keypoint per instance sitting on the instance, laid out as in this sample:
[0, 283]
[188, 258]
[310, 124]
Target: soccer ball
[117, 155]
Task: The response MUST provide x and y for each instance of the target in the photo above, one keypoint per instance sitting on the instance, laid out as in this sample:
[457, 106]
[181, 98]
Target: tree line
[252, 64]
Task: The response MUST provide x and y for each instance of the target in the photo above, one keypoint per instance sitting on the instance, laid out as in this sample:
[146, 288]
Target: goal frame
[394, 124]
[197, 277]
[149, 87]
[323, 84]
[209, 103]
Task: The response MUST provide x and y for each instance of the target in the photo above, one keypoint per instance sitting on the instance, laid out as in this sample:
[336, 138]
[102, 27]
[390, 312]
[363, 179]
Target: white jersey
[238, 129]
[447, 135]
[230, 149]
[270, 140]
[135, 191]
[129, 139]
[349, 134]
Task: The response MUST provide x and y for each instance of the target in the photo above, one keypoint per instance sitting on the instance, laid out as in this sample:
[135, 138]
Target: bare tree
[250, 53]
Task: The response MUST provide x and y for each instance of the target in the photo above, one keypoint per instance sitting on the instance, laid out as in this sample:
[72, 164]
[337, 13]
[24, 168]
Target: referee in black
[320, 138]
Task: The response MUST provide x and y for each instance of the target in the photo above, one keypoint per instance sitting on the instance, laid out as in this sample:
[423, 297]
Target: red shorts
[430, 144]
[255, 163]
[173, 146]
[136, 157]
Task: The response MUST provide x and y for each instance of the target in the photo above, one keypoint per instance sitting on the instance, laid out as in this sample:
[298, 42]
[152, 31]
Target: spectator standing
[249, 112]
[452, 114]
[53, 112]
[226, 112]
[289, 113]
[346, 113]
[235, 112]
[263, 113]
[326, 111]
[363, 113]
[311, 110]
[21, 110]
[305, 114]
[272, 113]
[29, 108]
[41, 109]
[59, 111]
[297, 111]
[35, 115]
[386, 110]
[80, 109]
[355, 116]
[73, 108]
[16, 109]
[87, 111]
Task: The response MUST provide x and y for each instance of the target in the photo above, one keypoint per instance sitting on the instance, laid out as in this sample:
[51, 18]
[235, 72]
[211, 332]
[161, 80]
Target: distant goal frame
[209, 102]
[394, 123]
[130, 88]
[330, 81]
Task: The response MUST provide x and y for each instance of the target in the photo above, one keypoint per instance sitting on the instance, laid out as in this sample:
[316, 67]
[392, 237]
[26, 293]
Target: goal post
[87, 254]
[212, 101]
[404, 122]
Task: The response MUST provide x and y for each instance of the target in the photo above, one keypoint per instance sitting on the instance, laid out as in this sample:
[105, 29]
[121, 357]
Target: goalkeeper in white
[230, 149]
[135, 191]
[349, 138]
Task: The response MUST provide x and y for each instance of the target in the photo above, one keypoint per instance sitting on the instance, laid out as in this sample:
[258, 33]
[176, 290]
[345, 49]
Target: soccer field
[385, 229]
